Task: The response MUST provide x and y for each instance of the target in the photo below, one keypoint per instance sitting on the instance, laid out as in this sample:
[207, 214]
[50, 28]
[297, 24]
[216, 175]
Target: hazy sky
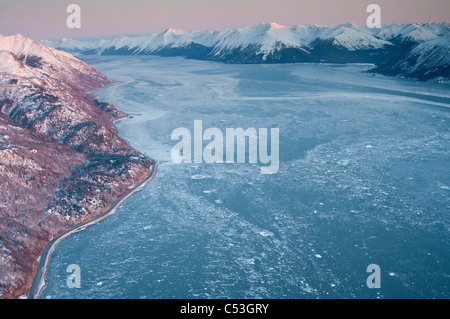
[46, 19]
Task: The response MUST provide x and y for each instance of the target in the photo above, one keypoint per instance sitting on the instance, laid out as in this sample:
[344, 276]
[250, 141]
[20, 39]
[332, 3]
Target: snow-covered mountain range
[272, 43]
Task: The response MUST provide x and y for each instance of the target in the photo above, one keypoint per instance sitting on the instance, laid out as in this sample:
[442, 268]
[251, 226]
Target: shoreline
[39, 284]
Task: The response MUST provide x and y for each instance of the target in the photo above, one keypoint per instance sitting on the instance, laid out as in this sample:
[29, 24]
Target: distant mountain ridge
[392, 48]
[61, 159]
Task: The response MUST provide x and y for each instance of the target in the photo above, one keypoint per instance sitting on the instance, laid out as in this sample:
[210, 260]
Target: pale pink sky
[46, 19]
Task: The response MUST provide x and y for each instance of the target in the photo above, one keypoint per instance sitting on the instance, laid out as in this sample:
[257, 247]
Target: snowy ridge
[10, 63]
[434, 52]
[265, 35]
[427, 60]
[22, 56]
[415, 32]
[353, 38]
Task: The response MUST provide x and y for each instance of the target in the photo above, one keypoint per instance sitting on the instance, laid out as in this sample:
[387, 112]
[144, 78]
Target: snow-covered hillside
[414, 32]
[40, 63]
[429, 60]
[61, 159]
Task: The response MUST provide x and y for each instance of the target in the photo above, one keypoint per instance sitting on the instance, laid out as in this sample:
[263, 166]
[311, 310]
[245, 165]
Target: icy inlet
[363, 179]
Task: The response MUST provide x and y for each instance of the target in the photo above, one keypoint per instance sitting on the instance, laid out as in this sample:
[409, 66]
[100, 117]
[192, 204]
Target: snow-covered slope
[47, 91]
[415, 33]
[432, 53]
[69, 44]
[41, 63]
[265, 38]
[426, 61]
[11, 64]
[352, 38]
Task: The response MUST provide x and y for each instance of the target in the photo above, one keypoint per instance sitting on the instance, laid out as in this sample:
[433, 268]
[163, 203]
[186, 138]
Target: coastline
[39, 284]
[62, 166]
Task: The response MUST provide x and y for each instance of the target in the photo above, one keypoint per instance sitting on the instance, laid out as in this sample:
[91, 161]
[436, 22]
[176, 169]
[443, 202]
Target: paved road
[39, 284]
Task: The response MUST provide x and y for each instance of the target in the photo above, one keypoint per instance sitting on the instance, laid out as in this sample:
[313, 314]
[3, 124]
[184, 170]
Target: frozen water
[363, 180]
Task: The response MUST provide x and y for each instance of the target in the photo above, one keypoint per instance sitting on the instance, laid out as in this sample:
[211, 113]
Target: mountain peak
[174, 31]
[268, 26]
[21, 45]
[38, 61]
[274, 26]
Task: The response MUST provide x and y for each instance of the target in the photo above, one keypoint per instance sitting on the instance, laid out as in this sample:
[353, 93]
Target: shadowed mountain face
[61, 159]
[396, 49]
